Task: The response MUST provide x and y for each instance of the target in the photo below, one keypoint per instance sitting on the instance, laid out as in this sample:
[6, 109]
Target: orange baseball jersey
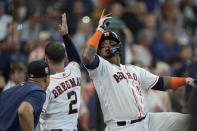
[120, 90]
[61, 108]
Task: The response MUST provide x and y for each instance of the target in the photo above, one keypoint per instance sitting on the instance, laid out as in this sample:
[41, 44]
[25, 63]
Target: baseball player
[119, 87]
[21, 105]
[61, 108]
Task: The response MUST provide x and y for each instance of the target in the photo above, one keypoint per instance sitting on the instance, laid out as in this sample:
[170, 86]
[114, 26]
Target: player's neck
[58, 68]
[115, 60]
[36, 81]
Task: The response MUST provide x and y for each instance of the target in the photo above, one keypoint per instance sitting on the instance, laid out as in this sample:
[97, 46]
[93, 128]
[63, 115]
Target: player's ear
[65, 58]
[46, 59]
[46, 82]
[47, 79]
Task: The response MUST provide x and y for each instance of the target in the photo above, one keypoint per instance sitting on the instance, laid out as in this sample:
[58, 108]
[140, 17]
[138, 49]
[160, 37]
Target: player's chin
[108, 56]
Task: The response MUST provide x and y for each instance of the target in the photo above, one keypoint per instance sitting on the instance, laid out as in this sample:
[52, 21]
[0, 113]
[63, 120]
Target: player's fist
[102, 20]
[63, 28]
[192, 82]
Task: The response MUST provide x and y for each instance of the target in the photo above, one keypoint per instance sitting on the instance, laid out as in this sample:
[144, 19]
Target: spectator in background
[178, 102]
[172, 18]
[141, 51]
[188, 10]
[150, 23]
[51, 21]
[2, 83]
[16, 54]
[20, 10]
[75, 10]
[133, 17]
[76, 16]
[152, 5]
[5, 56]
[165, 47]
[38, 52]
[117, 11]
[158, 101]
[17, 75]
[84, 32]
[87, 93]
[4, 20]
[186, 53]
[176, 65]
[31, 28]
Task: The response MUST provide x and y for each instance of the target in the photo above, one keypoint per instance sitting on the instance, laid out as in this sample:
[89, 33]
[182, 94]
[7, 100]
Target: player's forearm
[91, 48]
[26, 117]
[71, 50]
[89, 54]
[173, 82]
[166, 82]
[26, 122]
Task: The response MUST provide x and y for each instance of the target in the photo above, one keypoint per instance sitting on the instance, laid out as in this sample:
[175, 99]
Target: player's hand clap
[63, 28]
[102, 19]
[191, 82]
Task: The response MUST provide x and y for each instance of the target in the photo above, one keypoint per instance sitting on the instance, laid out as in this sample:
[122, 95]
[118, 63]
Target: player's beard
[109, 55]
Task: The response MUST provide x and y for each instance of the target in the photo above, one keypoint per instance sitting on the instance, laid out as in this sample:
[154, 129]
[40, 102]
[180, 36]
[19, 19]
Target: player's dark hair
[55, 52]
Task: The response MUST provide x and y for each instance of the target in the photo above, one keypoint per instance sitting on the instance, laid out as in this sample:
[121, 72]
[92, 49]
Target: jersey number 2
[73, 102]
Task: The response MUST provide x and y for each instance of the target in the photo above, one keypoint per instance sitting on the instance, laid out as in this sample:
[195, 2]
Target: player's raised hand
[102, 20]
[192, 82]
[63, 28]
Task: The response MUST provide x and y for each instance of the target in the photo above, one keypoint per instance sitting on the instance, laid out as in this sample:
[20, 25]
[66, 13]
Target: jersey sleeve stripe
[153, 83]
[62, 77]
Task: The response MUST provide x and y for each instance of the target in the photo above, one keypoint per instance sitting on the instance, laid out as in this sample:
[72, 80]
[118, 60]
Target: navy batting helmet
[113, 36]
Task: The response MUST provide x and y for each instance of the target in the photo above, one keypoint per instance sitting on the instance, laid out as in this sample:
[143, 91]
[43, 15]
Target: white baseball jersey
[61, 108]
[119, 90]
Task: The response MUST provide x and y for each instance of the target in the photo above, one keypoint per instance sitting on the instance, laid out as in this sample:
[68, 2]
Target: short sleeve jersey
[119, 89]
[11, 99]
[61, 108]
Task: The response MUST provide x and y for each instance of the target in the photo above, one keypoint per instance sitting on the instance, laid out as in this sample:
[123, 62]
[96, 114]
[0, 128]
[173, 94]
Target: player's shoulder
[73, 64]
[134, 68]
[30, 85]
[130, 66]
[74, 68]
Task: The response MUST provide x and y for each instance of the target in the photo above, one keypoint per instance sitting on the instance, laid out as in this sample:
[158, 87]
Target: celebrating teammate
[61, 108]
[21, 105]
[119, 87]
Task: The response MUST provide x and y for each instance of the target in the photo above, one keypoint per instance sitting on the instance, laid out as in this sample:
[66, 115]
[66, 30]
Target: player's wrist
[177, 82]
[94, 40]
[100, 29]
[63, 33]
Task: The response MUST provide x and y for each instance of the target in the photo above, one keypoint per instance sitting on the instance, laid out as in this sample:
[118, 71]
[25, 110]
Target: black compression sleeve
[71, 50]
[159, 84]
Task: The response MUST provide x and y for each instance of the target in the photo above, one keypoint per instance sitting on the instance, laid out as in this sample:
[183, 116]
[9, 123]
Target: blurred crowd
[159, 35]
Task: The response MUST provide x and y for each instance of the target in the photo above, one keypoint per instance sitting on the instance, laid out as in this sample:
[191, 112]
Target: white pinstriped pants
[164, 121]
